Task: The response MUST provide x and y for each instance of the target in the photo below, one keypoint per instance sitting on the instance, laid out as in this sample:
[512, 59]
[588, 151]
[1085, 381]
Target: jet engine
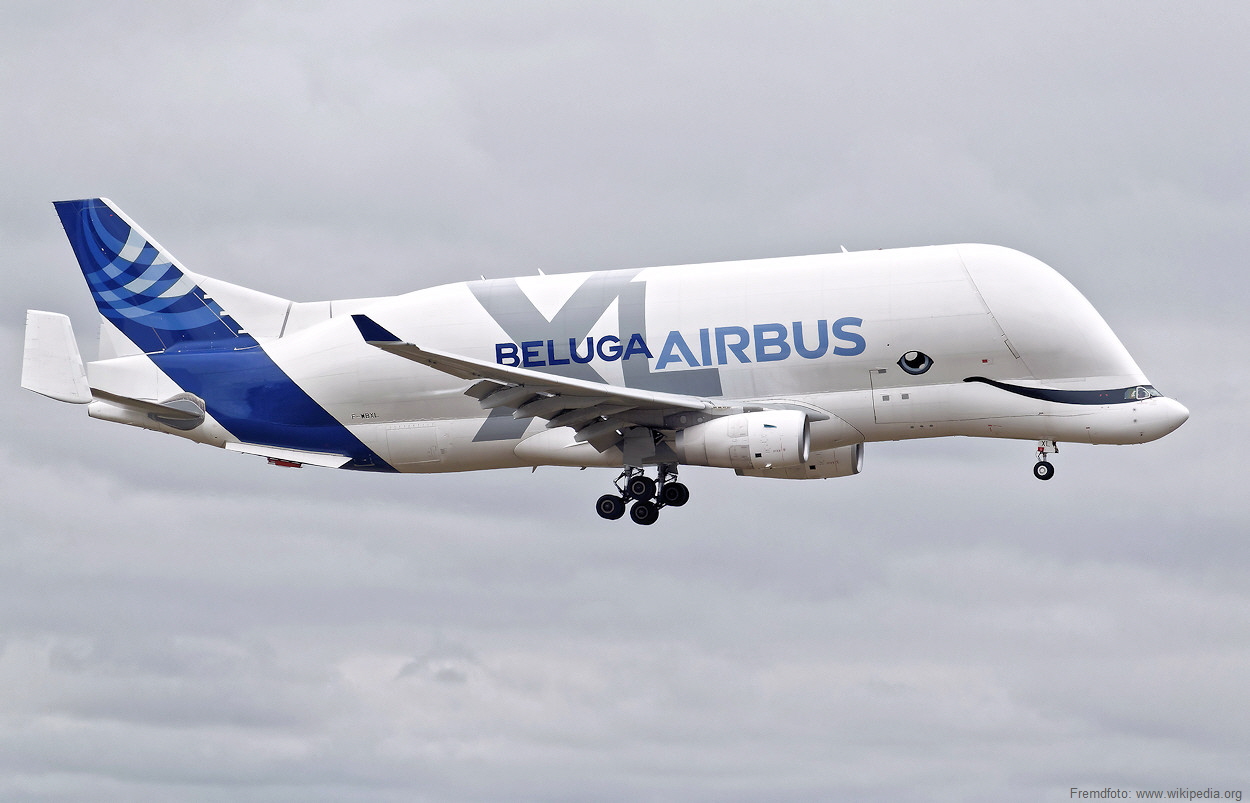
[842, 461]
[756, 440]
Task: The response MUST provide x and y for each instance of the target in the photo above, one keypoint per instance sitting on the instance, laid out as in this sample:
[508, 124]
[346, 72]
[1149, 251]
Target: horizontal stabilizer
[291, 455]
[183, 411]
[51, 364]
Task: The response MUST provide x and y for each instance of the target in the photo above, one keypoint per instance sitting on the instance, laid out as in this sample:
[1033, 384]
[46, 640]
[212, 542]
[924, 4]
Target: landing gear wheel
[644, 512]
[610, 507]
[641, 487]
[1043, 470]
[674, 494]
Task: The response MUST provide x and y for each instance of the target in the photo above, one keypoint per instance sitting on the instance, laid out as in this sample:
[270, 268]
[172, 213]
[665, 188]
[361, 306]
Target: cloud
[182, 622]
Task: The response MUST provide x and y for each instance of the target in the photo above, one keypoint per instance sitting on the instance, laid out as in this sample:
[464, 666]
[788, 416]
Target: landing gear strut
[1042, 469]
[648, 495]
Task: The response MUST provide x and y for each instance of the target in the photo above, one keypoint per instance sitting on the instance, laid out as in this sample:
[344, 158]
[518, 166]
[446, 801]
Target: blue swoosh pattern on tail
[137, 286]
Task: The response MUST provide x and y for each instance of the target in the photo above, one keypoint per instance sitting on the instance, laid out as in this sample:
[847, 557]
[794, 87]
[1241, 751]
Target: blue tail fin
[139, 287]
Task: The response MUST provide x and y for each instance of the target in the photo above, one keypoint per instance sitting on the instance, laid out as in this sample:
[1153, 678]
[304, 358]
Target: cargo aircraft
[779, 368]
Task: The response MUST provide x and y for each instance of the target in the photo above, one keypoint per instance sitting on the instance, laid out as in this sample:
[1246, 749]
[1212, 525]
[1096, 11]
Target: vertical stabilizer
[139, 287]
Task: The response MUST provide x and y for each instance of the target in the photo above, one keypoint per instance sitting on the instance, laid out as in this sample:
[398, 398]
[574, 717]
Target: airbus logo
[763, 342]
[688, 361]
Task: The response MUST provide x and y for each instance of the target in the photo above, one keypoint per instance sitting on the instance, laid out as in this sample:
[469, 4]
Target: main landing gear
[1042, 469]
[647, 494]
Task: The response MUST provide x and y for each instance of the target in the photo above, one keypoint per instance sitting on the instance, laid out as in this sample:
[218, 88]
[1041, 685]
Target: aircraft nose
[1160, 416]
[1150, 419]
[1174, 414]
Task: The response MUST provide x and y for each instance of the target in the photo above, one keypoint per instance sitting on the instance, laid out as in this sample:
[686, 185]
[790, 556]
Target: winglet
[372, 332]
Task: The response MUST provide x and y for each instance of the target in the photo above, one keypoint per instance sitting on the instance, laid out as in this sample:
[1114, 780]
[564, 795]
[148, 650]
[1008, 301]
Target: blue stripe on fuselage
[249, 395]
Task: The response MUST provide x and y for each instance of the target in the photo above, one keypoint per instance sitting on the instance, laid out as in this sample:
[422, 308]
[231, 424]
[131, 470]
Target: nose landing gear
[1042, 469]
[648, 495]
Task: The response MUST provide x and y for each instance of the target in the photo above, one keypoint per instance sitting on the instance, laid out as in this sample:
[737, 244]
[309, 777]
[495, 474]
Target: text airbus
[763, 342]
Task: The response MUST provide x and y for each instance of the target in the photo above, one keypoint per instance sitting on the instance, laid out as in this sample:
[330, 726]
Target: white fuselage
[824, 334]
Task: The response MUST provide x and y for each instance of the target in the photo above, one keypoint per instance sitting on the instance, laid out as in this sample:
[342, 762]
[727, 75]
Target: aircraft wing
[598, 412]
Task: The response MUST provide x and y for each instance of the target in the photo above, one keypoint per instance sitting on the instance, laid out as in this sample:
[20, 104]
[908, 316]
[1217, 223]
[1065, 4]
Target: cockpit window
[1141, 392]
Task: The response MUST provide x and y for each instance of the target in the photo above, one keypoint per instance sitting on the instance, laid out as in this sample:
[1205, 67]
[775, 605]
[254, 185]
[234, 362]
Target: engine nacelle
[747, 440]
[840, 462]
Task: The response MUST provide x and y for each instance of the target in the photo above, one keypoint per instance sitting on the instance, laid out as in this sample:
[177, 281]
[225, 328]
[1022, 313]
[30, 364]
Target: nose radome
[1161, 416]
[1175, 414]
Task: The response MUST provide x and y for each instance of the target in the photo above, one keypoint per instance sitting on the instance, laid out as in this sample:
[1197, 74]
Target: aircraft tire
[641, 487]
[1043, 470]
[674, 494]
[644, 512]
[610, 507]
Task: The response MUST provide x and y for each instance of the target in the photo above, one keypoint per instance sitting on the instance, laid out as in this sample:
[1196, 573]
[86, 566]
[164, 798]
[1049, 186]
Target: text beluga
[721, 345]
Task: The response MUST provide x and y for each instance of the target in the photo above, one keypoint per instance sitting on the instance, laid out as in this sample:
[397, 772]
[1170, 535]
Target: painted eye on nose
[915, 362]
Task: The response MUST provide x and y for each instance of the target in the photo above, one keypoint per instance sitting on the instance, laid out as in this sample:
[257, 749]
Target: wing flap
[512, 396]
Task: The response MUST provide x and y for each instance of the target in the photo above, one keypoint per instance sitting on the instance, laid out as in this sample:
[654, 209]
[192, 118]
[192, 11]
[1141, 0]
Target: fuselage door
[890, 403]
[418, 442]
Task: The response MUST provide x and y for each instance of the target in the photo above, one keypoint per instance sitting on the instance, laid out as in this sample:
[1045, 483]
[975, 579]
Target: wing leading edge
[601, 414]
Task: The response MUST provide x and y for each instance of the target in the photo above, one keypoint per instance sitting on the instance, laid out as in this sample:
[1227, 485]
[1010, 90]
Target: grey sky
[179, 622]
